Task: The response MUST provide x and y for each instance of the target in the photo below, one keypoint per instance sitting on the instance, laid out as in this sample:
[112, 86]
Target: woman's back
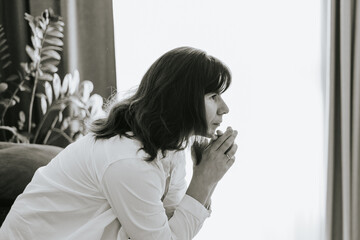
[68, 197]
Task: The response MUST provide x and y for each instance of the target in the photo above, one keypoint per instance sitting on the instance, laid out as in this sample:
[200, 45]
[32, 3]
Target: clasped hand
[212, 160]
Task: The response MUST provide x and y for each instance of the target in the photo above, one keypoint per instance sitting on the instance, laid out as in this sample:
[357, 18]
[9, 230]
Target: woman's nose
[223, 108]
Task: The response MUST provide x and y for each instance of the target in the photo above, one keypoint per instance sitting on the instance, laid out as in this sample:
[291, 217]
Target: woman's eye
[214, 96]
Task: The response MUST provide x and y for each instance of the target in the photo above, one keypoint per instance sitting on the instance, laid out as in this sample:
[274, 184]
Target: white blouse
[105, 190]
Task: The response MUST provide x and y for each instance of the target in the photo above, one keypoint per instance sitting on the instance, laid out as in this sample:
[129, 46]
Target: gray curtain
[88, 39]
[343, 195]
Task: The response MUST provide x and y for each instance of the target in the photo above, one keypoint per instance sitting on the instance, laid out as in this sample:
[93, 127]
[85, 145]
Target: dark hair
[169, 103]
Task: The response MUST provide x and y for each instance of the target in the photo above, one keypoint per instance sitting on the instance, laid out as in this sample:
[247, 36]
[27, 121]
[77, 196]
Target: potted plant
[66, 105]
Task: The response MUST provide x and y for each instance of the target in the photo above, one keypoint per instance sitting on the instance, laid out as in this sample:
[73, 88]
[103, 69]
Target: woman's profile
[126, 178]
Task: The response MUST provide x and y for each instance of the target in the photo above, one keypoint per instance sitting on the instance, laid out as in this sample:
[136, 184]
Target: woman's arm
[134, 189]
[212, 166]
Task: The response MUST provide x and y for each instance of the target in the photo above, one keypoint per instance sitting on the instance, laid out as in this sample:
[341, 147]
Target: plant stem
[32, 101]
[50, 130]
[63, 134]
[36, 80]
[16, 135]
[7, 106]
[40, 125]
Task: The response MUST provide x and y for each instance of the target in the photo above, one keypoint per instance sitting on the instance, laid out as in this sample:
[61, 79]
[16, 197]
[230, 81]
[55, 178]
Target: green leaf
[39, 33]
[30, 51]
[46, 77]
[3, 87]
[56, 85]
[33, 28]
[12, 78]
[60, 116]
[48, 92]
[28, 17]
[6, 64]
[65, 84]
[4, 48]
[37, 18]
[42, 24]
[65, 124]
[74, 82]
[25, 67]
[96, 102]
[50, 60]
[2, 42]
[3, 57]
[40, 95]
[8, 102]
[16, 98]
[55, 33]
[46, 58]
[49, 68]
[24, 88]
[40, 72]
[85, 89]
[74, 126]
[56, 48]
[52, 27]
[45, 14]
[58, 107]
[4, 102]
[52, 54]
[22, 116]
[54, 41]
[77, 102]
[36, 42]
[61, 23]
[33, 41]
[43, 105]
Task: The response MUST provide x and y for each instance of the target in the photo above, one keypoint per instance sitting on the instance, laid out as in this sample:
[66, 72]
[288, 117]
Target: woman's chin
[210, 133]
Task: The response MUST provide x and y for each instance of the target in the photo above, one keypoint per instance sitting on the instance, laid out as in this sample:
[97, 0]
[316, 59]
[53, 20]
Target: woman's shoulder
[173, 160]
[116, 148]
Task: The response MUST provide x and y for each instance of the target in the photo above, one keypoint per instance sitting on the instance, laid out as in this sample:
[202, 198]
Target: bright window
[275, 190]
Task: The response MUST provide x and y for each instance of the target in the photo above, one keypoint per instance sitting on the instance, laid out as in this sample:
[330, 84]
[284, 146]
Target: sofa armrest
[18, 163]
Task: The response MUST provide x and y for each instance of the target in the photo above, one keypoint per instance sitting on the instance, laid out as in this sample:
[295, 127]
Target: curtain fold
[343, 196]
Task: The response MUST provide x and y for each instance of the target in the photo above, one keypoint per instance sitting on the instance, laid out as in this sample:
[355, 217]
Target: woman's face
[215, 108]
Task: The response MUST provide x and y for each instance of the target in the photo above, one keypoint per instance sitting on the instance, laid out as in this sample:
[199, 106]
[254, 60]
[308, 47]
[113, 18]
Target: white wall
[275, 190]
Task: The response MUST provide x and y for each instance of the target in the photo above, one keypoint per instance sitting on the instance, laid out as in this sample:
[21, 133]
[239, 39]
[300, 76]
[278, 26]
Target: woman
[126, 179]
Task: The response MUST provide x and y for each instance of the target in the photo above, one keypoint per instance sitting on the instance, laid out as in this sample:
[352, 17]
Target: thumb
[193, 154]
[196, 153]
[197, 150]
[218, 134]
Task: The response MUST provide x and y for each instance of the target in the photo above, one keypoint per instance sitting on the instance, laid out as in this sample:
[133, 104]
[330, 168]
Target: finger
[230, 161]
[228, 142]
[219, 133]
[231, 152]
[223, 138]
[215, 136]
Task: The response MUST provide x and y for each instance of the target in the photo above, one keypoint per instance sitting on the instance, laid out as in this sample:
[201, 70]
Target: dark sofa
[18, 163]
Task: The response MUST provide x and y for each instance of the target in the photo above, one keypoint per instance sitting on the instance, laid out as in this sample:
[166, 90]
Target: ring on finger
[227, 155]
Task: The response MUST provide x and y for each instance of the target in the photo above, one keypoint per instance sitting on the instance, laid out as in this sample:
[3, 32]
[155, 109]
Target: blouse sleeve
[134, 189]
[177, 184]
